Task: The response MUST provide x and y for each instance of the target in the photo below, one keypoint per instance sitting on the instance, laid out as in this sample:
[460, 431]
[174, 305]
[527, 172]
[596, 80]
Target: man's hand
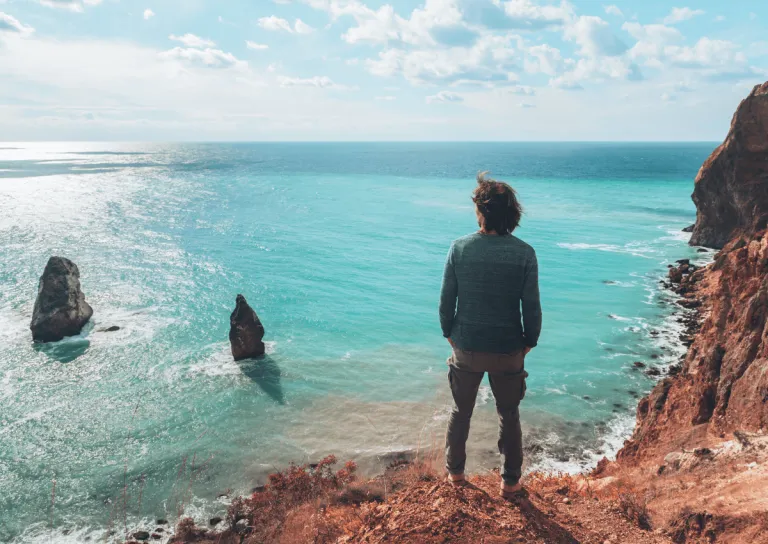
[450, 341]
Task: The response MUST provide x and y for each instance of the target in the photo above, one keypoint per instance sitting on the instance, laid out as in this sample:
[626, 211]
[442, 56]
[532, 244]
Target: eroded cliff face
[722, 386]
[699, 452]
[731, 190]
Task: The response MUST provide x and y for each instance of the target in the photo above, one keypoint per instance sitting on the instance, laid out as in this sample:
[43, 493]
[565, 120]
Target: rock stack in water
[731, 190]
[60, 309]
[245, 331]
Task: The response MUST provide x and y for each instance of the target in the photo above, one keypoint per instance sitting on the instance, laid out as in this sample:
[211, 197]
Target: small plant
[635, 510]
[265, 511]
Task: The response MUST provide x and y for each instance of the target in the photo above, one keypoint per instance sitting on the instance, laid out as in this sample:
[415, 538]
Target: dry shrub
[267, 511]
[635, 509]
[551, 482]
[357, 494]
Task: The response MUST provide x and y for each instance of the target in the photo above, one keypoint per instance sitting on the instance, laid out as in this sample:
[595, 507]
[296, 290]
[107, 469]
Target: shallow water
[339, 248]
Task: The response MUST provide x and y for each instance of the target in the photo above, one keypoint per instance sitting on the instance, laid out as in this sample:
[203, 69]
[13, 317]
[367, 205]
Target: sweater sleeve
[448, 294]
[531, 303]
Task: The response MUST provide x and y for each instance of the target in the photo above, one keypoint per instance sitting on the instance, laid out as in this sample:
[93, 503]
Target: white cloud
[190, 40]
[388, 98]
[752, 15]
[566, 83]
[706, 53]
[545, 60]
[445, 96]
[72, 5]
[148, 14]
[613, 10]
[256, 46]
[668, 97]
[597, 70]
[652, 40]
[658, 46]
[489, 59]
[594, 36]
[274, 23]
[8, 23]
[321, 82]
[522, 90]
[302, 28]
[383, 25]
[279, 24]
[681, 14]
[719, 18]
[526, 105]
[529, 15]
[208, 58]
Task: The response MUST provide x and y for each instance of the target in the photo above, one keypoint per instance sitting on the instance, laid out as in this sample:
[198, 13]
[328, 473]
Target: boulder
[245, 331]
[731, 189]
[60, 309]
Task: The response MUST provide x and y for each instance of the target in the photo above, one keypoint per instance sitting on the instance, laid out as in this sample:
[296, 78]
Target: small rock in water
[214, 521]
[639, 364]
[702, 250]
[586, 397]
[653, 372]
[245, 331]
[113, 328]
[161, 521]
[141, 535]
[60, 308]
[689, 228]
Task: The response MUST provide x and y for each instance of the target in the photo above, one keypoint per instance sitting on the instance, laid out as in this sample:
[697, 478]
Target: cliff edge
[731, 189]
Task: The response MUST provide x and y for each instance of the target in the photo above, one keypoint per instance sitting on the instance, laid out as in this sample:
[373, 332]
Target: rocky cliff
[700, 449]
[723, 383]
[731, 190]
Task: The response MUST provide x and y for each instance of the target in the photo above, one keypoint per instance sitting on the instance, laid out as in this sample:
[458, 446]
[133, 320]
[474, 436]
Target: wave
[629, 249]
[221, 363]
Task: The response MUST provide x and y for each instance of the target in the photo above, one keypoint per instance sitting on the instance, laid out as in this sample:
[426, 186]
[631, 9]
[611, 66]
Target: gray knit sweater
[492, 277]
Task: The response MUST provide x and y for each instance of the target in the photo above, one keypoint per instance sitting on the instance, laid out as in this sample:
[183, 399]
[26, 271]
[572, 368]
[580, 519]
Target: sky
[351, 70]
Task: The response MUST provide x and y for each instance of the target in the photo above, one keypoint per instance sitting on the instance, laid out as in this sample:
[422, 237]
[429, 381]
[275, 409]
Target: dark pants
[506, 374]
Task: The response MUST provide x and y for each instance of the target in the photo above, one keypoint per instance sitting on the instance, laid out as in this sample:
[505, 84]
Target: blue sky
[377, 70]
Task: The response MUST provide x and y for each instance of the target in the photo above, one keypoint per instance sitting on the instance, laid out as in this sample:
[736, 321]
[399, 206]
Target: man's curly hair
[498, 205]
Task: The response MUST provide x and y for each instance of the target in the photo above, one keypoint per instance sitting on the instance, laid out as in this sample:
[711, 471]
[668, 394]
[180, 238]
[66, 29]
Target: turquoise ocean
[340, 248]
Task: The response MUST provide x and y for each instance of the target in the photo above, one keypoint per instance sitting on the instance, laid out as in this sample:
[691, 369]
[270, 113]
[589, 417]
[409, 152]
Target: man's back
[491, 276]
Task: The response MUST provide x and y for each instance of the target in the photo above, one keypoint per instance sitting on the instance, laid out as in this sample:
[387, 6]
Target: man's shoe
[457, 479]
[513, 491]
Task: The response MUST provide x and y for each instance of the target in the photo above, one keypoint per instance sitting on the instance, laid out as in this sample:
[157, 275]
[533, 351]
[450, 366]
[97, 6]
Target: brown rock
[60, 308]
[245, 332]
[731, 191]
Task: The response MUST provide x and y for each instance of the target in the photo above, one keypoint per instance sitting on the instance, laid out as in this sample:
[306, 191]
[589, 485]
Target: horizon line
[5, 142]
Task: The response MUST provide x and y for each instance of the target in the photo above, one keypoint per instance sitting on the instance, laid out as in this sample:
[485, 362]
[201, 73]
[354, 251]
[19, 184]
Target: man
[492, 275]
